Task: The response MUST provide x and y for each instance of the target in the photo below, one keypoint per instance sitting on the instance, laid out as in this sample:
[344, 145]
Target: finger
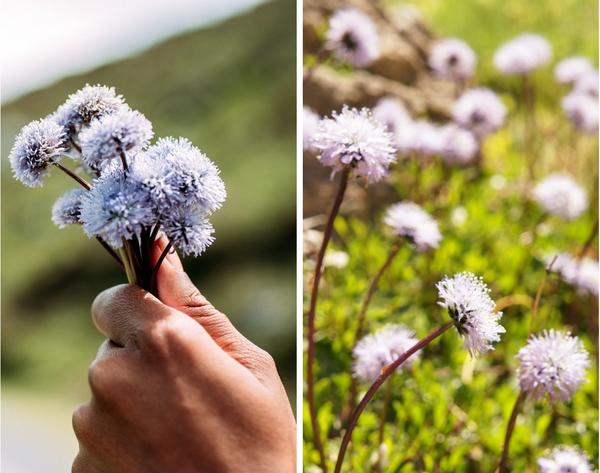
[171, 259]
[176, 290]
[122, 312]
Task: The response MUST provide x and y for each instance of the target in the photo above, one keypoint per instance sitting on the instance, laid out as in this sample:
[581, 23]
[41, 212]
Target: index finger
[123, 312]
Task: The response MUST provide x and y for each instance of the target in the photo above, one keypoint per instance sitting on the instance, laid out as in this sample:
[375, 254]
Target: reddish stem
[310, 355]
[385, 374]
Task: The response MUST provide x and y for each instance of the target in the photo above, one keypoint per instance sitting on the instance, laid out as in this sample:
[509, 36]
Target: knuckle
[101, 378]
[80, 421]
[166, 334]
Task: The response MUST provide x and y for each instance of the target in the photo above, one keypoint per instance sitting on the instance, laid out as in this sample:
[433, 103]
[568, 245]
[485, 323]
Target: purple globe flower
[564, 459]
[374, 352]
[473, 311]
[419, 137]
[409, 220]
[582, 273]
[392, 113]
[558, 194]
[554, 364]
[588, 84]
[459, 146]
[309, 126]
[523, 54]
[571, 69]
[39, 144]
[480, 111]
[582, 111]
[354, 138]
[352, 37]
[452, 59]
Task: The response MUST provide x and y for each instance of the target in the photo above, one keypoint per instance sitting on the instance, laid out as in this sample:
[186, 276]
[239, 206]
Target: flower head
[374, 352]
[459, 146]
[420, 137]
[115, 209]
[571, 69]
[391, 113]
[124, 131]
[352, 36]
[409, 220]
[189, 230]
[553, 363]
[38, 145]
[87, 104]
[67, 208]
[523, 54]
[473, 311]
[452, 59]
[564, 459]
[187, 172]
[588, 83]
[558, 194]
[309, 126]
[480, 111]
[581, 273]
[354, 138]
[582, 110]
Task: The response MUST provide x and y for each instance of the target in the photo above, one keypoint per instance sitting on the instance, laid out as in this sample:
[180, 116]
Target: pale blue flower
[67, 208]
[190, 172]
[479, 110]
[115, 209]
[189, 230]
[40, 144]
[125, 131]
[89, 103]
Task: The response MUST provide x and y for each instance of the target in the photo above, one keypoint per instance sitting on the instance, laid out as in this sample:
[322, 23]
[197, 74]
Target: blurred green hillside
[230, 88]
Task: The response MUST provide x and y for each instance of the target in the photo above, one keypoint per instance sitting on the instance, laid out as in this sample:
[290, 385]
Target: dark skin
[177, 389]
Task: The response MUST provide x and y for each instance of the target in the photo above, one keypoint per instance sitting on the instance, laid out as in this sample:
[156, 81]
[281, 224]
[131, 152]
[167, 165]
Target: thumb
[176, 290]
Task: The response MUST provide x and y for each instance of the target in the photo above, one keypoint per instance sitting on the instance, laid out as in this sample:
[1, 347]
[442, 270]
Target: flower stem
[110, 251]
[387, 397]
[509, 431]
[123, 161]
[310, 355]
[86, 185]
[363, 310]
[588, 242]
[154, 273]
[385, 374]
[538, 295]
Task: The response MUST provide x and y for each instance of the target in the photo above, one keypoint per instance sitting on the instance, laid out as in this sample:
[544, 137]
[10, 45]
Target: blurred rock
[401, 70]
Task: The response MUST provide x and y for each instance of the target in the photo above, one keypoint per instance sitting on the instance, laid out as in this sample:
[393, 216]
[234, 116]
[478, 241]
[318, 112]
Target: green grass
[230, 89]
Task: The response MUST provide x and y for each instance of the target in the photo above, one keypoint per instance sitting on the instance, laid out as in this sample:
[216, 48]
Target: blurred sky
[45, 40]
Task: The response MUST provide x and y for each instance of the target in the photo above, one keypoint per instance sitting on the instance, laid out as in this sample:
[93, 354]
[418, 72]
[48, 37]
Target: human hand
[177, 389]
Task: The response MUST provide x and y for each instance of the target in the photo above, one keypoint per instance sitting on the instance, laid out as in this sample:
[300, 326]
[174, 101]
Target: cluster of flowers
[365, 143]
[138, 191]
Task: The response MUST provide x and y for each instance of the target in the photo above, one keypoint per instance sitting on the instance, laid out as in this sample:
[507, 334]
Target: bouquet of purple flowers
[130, 192]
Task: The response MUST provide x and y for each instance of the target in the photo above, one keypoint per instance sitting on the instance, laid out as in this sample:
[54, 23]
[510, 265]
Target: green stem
[509, 431]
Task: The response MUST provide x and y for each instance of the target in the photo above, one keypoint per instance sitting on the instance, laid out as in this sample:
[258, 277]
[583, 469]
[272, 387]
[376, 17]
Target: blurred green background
[230, 89]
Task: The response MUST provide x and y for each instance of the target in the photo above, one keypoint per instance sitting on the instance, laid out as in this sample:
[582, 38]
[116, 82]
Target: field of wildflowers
[451, 274]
